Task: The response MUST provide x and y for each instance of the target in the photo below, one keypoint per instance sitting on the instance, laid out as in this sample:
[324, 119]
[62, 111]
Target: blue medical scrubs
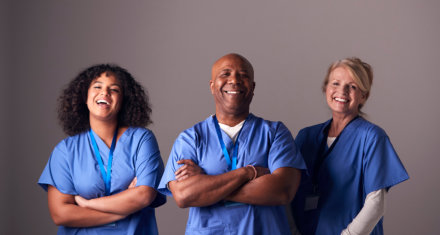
[360, 161]
[260, 143]
[73, 169]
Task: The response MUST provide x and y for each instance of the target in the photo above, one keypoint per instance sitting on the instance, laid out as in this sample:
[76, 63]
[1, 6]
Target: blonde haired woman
[351, 162]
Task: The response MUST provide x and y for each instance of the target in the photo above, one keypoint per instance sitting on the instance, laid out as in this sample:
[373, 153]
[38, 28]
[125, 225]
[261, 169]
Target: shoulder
[68, 148]
[310, 136]
[272, 126]
[312, 130]
[139, 132]
[76, 138]
[191, 139]
[71, 142]
[369, 129]
[134, 137]
[199, 129]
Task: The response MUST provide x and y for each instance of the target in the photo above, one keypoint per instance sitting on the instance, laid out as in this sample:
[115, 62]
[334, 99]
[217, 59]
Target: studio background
[169, 46]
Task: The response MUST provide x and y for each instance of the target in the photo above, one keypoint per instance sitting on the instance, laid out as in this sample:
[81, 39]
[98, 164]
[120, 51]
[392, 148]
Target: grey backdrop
[169, 47]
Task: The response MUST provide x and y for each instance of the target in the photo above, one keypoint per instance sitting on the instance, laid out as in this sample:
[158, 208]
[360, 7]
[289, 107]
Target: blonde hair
[361, 72]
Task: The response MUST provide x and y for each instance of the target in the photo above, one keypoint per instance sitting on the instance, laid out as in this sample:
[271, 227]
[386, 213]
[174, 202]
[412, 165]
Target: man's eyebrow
[226, 70]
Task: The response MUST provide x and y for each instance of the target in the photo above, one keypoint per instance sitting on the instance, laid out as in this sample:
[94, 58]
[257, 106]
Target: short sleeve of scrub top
[283, 151]
[183, 148]
[58, 171]
[382, 166]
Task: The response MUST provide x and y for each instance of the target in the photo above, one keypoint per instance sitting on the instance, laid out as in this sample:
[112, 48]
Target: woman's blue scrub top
[361, 160]
[73, 169]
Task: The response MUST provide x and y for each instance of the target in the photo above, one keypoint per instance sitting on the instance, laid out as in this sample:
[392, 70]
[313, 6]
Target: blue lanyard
[232, 163]
[106, 175]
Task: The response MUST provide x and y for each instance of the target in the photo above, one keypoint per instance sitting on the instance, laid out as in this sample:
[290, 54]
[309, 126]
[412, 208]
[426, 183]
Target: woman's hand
[188, 169]
[133, 183]
[80, 201]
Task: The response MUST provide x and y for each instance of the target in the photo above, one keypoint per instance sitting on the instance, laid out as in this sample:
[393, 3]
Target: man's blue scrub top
[361, 161]
[73, 169]
[261, 143]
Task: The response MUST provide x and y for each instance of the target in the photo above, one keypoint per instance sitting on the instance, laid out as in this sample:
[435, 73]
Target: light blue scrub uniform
[360, 161]
[260, 143]
[73, 169]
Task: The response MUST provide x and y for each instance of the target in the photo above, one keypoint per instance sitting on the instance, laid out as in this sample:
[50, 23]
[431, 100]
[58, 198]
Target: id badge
[311, 202]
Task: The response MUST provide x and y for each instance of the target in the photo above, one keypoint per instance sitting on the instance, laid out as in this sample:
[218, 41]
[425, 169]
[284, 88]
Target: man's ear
[211, 86]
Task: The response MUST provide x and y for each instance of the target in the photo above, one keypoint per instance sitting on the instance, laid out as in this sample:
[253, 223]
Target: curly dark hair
[73, 113]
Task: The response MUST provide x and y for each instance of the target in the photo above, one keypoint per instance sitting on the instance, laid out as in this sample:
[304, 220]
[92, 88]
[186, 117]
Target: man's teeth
[340, 100]
[233, 92]
[102, 102]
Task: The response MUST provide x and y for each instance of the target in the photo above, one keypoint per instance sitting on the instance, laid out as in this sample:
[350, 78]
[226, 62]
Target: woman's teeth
[102, 102]
[341, 100]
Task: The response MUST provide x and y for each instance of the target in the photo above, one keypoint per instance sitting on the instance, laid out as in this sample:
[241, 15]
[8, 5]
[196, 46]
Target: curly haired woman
[102, 179]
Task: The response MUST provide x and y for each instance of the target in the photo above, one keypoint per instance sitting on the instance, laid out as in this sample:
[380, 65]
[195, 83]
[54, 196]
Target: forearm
[370, 214]
[277, 188]
[123, 203]
[65, 212]
[204, 190]
[74, 216]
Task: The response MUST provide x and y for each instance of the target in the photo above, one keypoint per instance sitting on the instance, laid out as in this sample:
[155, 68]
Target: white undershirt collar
[330, 141]
[232, 131]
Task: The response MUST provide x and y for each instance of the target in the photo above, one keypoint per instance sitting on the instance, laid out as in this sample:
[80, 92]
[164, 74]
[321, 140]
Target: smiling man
[234, 170]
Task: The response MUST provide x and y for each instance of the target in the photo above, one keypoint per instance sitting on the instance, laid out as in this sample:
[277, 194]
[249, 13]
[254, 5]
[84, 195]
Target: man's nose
[234, 78]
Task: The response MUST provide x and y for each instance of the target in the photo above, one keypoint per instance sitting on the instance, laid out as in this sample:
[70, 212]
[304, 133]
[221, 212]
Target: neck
[104, 129]
[231, 119]
[338, 124]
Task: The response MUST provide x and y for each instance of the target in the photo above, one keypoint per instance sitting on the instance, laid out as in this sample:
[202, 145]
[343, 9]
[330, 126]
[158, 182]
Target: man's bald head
[232, 58]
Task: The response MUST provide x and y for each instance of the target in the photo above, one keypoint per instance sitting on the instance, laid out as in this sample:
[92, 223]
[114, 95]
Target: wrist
[254, 172]
[88, 203]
